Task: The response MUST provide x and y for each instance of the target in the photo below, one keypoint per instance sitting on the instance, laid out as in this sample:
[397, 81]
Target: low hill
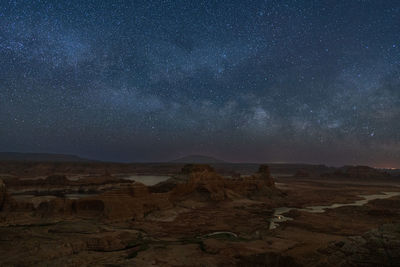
[16, 156]
[200, 159]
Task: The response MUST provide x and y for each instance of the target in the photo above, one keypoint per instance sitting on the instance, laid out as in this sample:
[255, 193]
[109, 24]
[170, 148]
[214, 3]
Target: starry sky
[315, 81]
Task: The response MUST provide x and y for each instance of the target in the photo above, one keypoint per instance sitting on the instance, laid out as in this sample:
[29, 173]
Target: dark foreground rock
[378, 247]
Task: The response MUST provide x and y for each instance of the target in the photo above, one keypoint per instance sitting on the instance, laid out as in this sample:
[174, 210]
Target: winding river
[278, 216]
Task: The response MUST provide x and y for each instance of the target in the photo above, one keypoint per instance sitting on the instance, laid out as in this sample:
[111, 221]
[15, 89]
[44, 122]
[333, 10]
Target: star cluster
[277, 80]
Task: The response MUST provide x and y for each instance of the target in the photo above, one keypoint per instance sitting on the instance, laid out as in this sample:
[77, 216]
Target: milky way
[273, 81]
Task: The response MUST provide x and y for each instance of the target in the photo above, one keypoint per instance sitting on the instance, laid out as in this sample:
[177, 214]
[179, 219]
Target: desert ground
[106, 214]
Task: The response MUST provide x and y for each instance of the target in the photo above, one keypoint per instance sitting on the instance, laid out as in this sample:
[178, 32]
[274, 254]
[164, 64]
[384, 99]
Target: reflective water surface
[278, 216]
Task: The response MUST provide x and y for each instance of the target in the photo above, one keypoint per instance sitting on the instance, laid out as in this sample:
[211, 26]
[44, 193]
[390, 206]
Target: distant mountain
[198, 159]
[15, 156]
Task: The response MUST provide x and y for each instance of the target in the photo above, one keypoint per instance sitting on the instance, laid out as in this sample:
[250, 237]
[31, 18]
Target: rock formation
[2, 194]
[302, 173]
[55, 207]
[133, 201]
[193, 168]
[129, 202]
[7, 202]
[113, 241]
[205, 184]
[56, 180]
[357, 172]
[52, 180]
[265, 175]
[363, 172]
[378, 247]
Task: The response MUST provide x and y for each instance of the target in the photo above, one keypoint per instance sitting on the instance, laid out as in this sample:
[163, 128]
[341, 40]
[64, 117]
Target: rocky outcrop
[264, 175]
[124, 203]
[205, 184]
[186, 173]
[193, 168]
[378, 247]
[133, 201]
[164, 186]
[129, 202]
[267, 259]
[7, 202]
[55, 206]
[56, 180]
[113, 241]
[2, 194]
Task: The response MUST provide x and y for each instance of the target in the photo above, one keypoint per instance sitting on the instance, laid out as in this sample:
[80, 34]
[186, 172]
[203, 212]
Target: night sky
[252, 81]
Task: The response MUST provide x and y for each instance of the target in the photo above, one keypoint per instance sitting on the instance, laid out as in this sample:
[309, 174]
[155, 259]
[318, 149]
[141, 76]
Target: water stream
[278, 216]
